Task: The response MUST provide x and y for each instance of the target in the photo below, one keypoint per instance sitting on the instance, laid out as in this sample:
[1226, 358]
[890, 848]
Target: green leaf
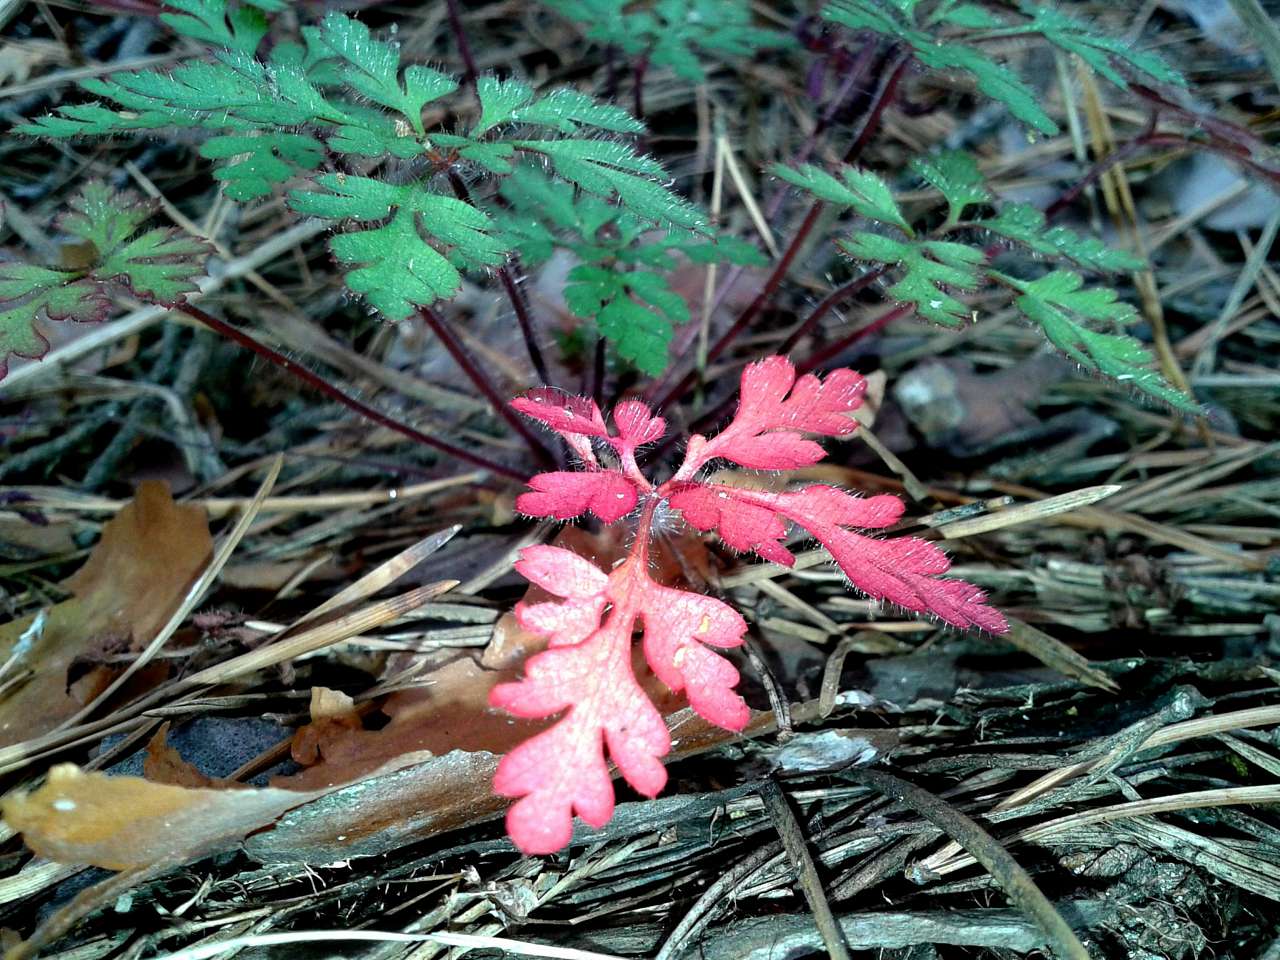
[862, 190]
[931, 268]
[640, 332]
[392, 264]
[672, 33]
[373, 69]
[1059, 303]
[954, 174]
[259, 162]
[1026, 225]
[241, 27]
[996, 81]
[972, 16]
[158, 265]
[1096, 49]
[606, 168]
[499, 100]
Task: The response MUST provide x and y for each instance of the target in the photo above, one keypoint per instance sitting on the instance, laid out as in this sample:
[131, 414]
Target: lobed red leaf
[565, 494]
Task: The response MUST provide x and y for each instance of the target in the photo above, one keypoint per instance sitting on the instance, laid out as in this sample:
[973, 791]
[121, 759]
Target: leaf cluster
[930, 269]
[672, 33]
[109, 253]
[342, 98]
[947, 36]
[620, 279]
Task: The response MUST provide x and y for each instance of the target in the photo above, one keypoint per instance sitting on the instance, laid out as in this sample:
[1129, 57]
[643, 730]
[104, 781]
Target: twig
[797, 847]
[440, 327]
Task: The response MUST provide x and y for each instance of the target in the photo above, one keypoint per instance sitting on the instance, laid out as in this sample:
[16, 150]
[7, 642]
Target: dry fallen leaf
[134, 579]
[124, 822]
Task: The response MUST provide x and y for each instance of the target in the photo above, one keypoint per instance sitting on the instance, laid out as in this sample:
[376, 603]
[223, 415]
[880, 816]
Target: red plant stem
[523, 317]
[470, 73]
[511, 285]
[753, 310]
[318, 383]
[884, 96]
[828, 303]
[440, 327]
[638, 71]
[844, 343]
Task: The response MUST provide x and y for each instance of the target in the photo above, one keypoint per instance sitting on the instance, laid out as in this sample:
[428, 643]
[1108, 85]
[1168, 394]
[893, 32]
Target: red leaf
[564, 495]
[562, 412]
[765, 433]
[636, 425]
[677, 624]
[902, 571]
[575, 418]
[586, 672]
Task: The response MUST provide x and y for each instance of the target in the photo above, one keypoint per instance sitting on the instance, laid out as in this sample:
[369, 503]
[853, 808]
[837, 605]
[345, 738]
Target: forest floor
[282, 622]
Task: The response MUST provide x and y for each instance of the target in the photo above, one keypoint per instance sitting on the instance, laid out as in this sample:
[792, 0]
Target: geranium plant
[586, 672]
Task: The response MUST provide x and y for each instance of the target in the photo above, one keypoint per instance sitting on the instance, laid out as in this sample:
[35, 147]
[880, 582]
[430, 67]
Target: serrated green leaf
[1058, 302]
[372, 67]
[159, 265]
[970, 15]
[240, 27]
[1096, 49]
[672, 33]
[954, 174]
[867, 15]
[932, 267]
[569, 110]
[499, 100]
[393, 265]
[1026, 225]
[606, 168]
[862, 190]
[259, 162]
[996, 81]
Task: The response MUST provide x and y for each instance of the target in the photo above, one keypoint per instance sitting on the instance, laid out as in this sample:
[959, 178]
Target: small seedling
[586, 671]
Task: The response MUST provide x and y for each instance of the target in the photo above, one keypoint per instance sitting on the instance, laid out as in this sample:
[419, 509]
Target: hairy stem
[837, 347]
[470, 73]
[521, 306]
[753, 309]
[511, 284]
[875, 112]
[318, 383]
[440, 327]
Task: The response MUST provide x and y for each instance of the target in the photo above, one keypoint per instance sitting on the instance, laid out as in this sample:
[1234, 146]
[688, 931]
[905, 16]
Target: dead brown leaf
[134, 579]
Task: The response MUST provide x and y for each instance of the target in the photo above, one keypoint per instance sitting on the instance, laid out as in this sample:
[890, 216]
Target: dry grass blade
[1052, 652]
[1027, 512]
[386, 573]
[985, 849]
[1193, 800]
[510, 947]
[318, 637]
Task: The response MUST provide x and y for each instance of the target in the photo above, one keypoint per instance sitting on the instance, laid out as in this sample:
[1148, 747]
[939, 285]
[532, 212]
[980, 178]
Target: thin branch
[440, 327]
[318, 383]
[470, 73]
[511, 284]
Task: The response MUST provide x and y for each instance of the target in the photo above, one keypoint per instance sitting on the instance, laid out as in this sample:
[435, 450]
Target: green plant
[948, 36]
[342, 98]
[928, 265]
[672, 33]
[620, 280]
